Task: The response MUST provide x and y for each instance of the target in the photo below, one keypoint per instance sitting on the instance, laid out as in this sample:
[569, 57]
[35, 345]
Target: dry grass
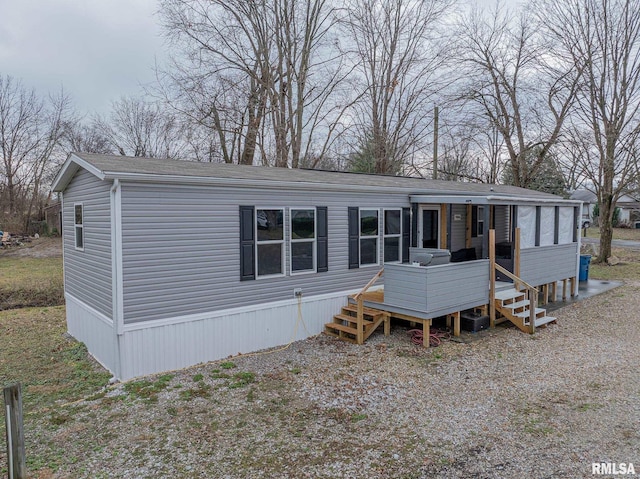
[51, 368]
[618, 233]
[628, 268]
[30, 282]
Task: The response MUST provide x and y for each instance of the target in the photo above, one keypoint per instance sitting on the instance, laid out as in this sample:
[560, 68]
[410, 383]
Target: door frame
[429, 207]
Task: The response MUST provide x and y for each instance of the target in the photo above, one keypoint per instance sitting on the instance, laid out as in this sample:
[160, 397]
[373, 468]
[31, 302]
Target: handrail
[368, 285]
[515, 278]
[360, 311]
[533, 292]
[533, 295]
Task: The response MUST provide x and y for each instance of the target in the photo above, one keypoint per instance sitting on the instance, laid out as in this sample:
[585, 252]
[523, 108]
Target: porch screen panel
[565, 225]
[547, 225]
[527, 225]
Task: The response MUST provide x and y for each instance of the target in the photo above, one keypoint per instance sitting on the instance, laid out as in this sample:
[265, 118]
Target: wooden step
[352, 308]
[540, 313]
[525, 314]
[509, 294]
[520, 304]
[544, 320]
[342, 327]
[350, 319]
[340, 335]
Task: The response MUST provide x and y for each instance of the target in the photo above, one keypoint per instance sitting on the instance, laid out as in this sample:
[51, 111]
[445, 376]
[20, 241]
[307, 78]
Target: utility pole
[435, 142]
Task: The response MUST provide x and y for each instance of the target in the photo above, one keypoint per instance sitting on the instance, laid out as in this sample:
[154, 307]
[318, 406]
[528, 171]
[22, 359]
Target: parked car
[261, 220]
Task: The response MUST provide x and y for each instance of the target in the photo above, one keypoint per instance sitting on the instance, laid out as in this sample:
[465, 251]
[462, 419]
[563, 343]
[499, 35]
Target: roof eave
[490, 199]
[280, 185]
[70, 167]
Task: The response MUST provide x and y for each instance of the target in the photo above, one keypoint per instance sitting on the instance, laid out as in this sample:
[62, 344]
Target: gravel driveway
[506, 405]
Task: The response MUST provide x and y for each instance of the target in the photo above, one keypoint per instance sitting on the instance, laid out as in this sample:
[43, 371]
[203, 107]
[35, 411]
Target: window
[392, 236]
[369, 234]
[79, 226]
[303, 240]
[269, 241]
[480, 230]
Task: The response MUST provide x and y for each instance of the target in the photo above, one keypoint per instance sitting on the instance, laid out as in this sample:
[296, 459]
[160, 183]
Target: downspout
[116, 274]
[64, 276]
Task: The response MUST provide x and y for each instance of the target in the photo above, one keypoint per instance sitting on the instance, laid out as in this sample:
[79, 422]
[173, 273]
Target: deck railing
[532, 292]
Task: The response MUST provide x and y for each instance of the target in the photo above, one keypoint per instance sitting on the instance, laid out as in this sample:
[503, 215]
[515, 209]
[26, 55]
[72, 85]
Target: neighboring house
[53, 217]
[172, 263]
[629, 207]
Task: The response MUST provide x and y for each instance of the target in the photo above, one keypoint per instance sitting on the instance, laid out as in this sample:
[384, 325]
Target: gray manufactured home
[169, 263]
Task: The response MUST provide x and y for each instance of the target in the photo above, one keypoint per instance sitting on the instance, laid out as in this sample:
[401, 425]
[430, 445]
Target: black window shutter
[322, 261]
[406, 234]
[354, 238]
[556, 225]
[474, 221]
[414, 225]
[538, 219]
[247, 244]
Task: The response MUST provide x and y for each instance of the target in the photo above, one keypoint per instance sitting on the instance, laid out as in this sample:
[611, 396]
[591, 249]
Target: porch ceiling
[490, 200]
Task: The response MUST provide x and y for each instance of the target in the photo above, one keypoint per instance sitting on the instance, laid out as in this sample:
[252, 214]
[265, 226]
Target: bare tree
[396, 57]
[85, 136]
[245, 68]
[516, 80]
[471, 148]
[603, 40]
[30, 128]
[139, 128]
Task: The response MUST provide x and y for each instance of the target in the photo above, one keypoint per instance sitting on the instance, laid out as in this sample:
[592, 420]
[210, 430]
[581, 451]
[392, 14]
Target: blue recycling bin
[585, 261]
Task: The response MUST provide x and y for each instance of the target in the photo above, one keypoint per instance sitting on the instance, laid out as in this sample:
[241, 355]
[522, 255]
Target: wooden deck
[375, 300]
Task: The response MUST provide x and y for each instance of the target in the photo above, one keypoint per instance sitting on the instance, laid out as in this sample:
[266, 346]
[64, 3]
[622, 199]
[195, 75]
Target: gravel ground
[501, 404]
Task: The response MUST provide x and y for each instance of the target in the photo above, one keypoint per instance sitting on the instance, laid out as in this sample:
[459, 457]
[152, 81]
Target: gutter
[480, 199]
[307, 185]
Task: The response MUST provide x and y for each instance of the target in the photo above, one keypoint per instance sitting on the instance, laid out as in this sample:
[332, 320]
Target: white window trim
[360, 237]
[77, 226]
[281, 242]
[479, 220]
[314, 241]
[420, 234]
[399, 235]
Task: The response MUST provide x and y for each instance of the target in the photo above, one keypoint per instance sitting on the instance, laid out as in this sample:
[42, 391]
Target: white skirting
[175, 343]
[94, 329]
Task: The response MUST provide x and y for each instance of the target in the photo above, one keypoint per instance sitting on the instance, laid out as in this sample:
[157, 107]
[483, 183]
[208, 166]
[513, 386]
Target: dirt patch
[31, 275]
[38, 248]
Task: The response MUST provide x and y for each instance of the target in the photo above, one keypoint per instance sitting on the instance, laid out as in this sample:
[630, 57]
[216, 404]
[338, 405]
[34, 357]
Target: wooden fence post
[15, 434]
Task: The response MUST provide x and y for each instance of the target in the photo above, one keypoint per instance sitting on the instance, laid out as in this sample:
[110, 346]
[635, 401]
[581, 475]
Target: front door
[430, 224]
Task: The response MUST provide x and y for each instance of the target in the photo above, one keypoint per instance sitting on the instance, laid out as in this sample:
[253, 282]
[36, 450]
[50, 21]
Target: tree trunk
[607, 207]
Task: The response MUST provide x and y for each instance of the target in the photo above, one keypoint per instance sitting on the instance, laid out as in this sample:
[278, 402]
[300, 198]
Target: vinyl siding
[546, 264]
[87, 274]
[181, 248]
[458, 227]
[437, 290]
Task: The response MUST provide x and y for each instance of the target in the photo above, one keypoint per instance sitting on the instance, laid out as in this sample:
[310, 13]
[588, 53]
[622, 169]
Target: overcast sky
[98, 50]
